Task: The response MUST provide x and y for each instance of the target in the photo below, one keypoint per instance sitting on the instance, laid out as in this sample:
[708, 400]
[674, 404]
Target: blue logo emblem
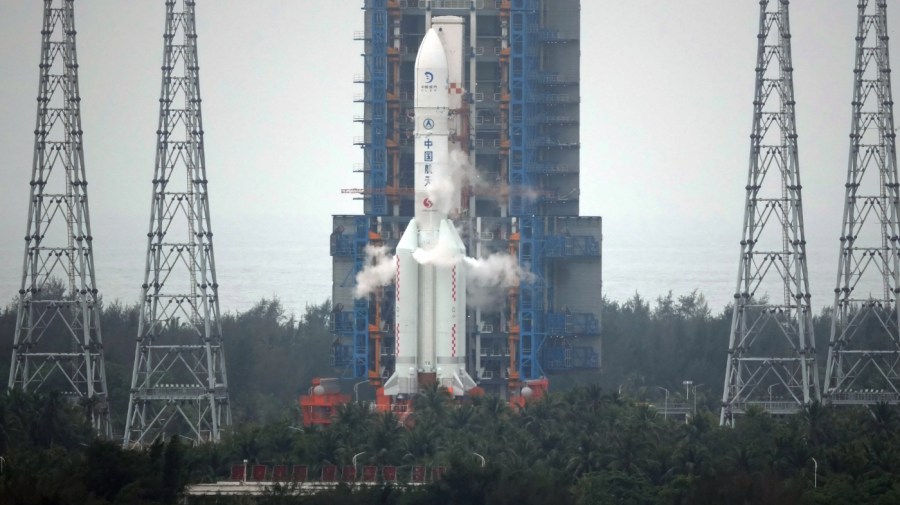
[429, 77]
[428, 124]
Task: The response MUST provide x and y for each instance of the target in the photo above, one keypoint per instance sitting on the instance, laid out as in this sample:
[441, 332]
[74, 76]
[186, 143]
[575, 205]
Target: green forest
[595, 439]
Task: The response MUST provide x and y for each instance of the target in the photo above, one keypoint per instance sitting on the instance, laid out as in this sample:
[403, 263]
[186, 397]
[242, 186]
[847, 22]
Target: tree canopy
[596, 438]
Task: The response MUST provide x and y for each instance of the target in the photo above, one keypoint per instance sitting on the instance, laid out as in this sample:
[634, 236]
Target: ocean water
[256, 262]
[250, 265]
[710, 268]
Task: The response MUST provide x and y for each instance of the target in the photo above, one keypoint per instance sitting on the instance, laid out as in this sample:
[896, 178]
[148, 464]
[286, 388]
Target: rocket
[430, 305]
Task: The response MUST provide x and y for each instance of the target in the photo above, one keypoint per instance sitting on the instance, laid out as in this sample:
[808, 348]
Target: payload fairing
[430, 307]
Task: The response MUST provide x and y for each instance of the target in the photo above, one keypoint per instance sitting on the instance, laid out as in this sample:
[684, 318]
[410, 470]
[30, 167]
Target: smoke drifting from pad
[379, 271]
[440, 254]
[490, 278]
[446, 187]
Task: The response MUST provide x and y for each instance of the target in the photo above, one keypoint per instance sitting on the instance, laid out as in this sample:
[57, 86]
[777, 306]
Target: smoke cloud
[379, 271]
[488, 279]
[499, 269]
[445, 188]
[441, 254]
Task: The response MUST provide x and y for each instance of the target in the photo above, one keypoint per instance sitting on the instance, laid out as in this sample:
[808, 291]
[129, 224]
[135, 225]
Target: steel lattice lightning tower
[771, 350]
[179, 384]
[864, 350]
[57, 342]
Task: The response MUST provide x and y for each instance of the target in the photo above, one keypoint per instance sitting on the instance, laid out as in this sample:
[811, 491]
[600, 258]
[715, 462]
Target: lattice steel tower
[179, 384]
[57, 344]
[864, 350]
[771, 350]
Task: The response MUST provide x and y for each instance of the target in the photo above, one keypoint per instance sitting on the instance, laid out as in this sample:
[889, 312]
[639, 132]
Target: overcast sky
[667, 87]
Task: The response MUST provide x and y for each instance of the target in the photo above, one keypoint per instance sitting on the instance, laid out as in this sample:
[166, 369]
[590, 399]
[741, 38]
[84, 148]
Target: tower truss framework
[864, 348]
[179, 383]
[771, 350]
[57, 344]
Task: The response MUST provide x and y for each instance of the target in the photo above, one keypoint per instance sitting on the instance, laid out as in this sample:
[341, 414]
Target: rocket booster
[430, 305]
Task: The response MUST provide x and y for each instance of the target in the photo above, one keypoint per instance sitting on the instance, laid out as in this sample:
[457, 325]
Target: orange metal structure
[376, 335]
[504, 102]
[533, 391]
[320, 405]
[513, 324]
[402, 408]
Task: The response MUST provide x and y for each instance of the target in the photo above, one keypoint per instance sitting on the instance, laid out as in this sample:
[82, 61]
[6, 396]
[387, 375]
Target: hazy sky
[667, 88]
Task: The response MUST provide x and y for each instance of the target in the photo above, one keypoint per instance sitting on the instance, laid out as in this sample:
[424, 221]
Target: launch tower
[864, 350]
[178, 383]
[57, 343]
[771, 351]
[518, 122]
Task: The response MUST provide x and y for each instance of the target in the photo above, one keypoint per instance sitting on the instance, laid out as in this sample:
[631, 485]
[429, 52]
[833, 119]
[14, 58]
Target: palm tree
[419, 444]
[352, 422]
[384, 437]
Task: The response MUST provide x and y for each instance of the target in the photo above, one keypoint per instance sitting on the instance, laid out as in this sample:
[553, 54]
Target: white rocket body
[430, 306]
[450, 30]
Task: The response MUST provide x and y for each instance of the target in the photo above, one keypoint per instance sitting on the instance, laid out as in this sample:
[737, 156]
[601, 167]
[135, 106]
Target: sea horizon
[296, 269]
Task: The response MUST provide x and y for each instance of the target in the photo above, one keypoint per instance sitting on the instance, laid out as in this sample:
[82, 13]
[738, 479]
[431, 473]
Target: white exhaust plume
[490, 278]
[379, 271]
[444, 190]
[438, 254]
[497, 270]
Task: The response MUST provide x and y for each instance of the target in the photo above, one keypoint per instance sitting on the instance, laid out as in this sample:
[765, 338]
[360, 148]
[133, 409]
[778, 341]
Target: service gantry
[57, 344]
[179, 384]
[520, 125]
[771, 351]
[864, 350]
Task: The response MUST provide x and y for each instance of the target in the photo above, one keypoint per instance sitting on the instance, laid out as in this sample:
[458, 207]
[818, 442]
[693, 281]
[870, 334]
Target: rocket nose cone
[431, 52]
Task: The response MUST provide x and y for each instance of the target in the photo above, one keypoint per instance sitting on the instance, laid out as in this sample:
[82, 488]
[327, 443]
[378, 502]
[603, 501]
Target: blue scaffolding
[352, 324]
[537, 351]
[574, 246]
[531, 297]
[561, 355]
[360, 346]
[375, 146]
[341, 244]
[563, 330]
[524, 71]
[581, 324]
[524, 68]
